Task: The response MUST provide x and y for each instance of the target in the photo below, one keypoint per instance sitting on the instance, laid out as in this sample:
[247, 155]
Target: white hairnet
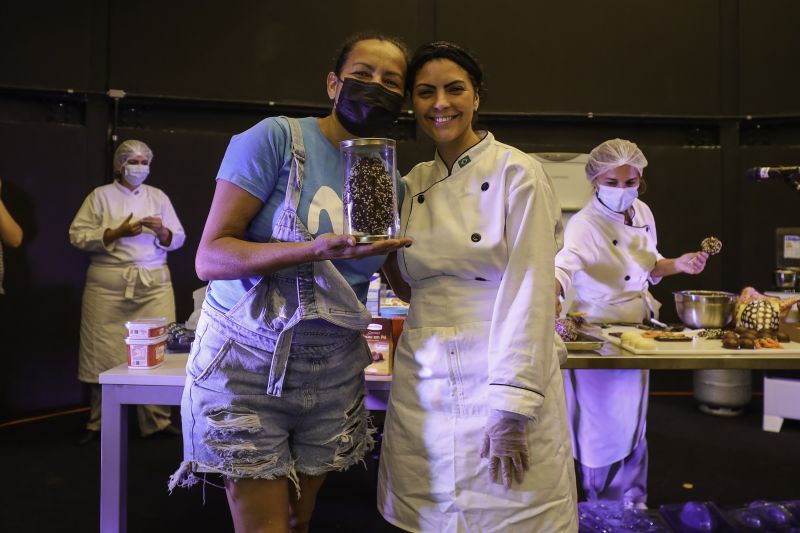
[612, 154]
[129, 149]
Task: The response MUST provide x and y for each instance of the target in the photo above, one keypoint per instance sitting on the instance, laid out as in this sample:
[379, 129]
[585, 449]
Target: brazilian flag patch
[464, 161]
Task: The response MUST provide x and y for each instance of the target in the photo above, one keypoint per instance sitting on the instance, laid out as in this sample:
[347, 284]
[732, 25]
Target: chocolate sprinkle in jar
[369, 194]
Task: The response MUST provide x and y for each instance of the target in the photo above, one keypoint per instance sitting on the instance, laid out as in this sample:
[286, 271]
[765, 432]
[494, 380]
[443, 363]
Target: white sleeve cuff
[513, 399]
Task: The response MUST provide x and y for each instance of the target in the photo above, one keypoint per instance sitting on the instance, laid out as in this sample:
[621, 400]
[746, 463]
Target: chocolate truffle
[711, 245]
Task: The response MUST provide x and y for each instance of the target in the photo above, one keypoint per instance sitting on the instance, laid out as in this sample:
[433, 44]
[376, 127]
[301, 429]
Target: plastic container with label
[146, 353]
[147, 328]
[381, 346]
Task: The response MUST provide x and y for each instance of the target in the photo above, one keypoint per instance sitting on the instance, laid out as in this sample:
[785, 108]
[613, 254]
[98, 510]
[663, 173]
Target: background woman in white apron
[476, 434]
[274, 396]
[127, 228]
[609, 259]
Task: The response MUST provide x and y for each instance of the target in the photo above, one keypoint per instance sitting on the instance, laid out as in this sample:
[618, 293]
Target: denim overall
[275, 385]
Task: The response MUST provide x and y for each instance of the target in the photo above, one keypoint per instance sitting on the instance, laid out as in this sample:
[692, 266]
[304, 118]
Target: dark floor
[53, 485]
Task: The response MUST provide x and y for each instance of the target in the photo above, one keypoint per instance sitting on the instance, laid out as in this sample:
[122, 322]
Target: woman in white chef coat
[609, 259]
[127, 228]
[476, 435]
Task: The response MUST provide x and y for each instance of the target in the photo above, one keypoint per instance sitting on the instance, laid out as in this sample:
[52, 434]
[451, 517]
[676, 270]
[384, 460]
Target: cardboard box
[381, 343]
[397, 327]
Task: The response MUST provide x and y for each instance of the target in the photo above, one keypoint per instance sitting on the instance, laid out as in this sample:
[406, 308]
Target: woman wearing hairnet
[609, 259]
[127, 228]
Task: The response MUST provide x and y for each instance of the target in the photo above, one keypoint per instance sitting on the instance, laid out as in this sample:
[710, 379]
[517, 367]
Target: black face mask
[367, 109]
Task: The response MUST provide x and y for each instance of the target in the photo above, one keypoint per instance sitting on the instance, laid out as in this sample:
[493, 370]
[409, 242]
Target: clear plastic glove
[125, 229]
[691, 263]
[156, 225]
[505, 445]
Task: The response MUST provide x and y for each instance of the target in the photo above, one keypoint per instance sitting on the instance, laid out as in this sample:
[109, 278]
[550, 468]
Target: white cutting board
[698, 345]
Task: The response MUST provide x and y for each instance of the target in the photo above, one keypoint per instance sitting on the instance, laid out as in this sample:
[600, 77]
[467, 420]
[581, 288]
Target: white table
[164, 386]
[780, 402]
[123, 387]
[160, 386]
[611, 356]
[780, 394]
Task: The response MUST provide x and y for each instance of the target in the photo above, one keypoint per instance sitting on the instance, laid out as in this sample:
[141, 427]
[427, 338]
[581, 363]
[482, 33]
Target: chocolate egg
[730, 343]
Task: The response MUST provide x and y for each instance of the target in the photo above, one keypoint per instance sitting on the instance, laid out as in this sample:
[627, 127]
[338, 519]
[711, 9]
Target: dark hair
[351, 41]
[445, 50]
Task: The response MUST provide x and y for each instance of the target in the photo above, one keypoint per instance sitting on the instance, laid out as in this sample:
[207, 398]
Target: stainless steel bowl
[705, 309]
[785, 279]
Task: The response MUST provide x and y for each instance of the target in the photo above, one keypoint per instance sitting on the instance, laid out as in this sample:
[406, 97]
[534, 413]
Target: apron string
[131, 274]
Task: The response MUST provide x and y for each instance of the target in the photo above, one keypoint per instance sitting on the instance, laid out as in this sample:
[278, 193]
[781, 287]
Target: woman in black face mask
[366, 91]
[275, 381]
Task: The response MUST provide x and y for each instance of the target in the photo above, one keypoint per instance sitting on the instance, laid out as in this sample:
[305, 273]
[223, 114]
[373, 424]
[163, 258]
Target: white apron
[432, 478]
[608, 408]
[114, 295]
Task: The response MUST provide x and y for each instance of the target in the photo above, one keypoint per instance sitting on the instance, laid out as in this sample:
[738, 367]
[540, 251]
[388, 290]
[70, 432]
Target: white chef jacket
[479, 336]
[127, 279]
[608, 264]
[107, 207]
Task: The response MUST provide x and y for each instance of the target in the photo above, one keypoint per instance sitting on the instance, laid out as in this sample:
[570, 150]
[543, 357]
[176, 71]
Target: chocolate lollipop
[711, 245]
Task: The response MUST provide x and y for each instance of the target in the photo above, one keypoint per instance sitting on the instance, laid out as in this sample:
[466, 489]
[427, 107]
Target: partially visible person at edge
[10, 235]
[609, 259]
[127, 228]
[274, 396]
[476, 435]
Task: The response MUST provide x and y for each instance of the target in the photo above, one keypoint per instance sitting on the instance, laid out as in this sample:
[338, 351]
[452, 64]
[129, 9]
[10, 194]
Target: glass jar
[369, 193]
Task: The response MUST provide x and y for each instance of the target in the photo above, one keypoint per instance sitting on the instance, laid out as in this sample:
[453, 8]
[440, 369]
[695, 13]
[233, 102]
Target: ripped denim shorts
[232, 427]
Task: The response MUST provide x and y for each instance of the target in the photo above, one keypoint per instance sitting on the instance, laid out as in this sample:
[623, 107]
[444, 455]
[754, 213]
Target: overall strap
[296, 171]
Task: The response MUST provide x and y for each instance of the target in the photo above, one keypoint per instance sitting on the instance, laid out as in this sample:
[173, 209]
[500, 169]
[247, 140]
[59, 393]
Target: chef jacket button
[485, 186]
[421, 198]
[614, 242]
[476, 237]
[647, 229]
[627, 278]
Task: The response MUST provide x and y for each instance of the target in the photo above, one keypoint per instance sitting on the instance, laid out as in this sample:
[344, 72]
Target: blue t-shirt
[258, 160]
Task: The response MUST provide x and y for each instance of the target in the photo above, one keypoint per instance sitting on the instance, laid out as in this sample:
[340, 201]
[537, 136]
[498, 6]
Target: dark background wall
[706, 87]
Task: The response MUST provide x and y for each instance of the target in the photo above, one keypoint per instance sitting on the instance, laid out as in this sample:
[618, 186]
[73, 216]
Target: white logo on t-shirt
[326, 199]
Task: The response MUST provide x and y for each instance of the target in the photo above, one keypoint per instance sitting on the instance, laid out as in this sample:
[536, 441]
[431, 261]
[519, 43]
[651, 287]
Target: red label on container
[146, 332]
[146, 355]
